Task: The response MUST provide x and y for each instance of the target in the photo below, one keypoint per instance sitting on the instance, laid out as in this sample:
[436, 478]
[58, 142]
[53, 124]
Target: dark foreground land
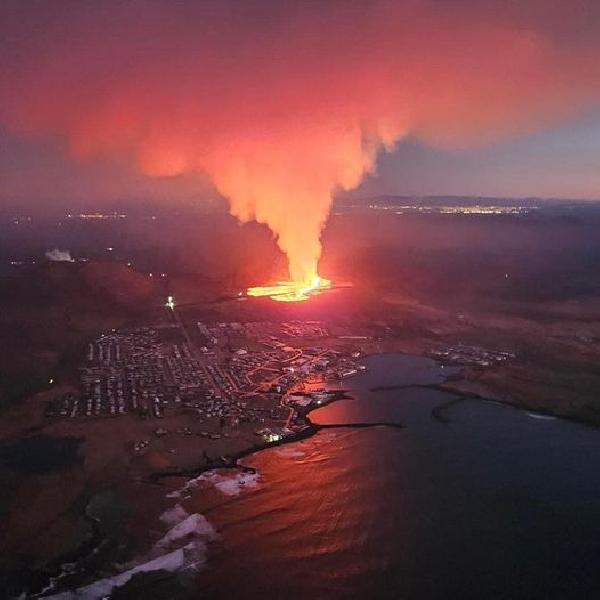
[513, 301]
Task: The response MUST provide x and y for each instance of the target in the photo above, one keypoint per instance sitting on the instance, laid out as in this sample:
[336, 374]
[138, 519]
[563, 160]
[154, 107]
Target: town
[471, 355]
[218, 375]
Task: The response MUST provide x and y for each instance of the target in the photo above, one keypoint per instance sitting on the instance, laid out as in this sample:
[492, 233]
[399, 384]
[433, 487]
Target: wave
[195, 524]
[288, 452]
[182, 548]
[541, 417]
[227, 483]
[174, 515]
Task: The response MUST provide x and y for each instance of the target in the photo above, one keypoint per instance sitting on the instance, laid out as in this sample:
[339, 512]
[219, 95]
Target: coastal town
[215, 377]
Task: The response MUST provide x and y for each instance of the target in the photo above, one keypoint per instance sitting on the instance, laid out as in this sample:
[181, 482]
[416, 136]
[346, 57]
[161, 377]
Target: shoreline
[44, 579]
[466, 395]
[447, 387]
[309, 429]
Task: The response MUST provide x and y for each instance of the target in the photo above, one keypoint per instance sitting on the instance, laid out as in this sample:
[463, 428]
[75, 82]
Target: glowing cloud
[284, 103]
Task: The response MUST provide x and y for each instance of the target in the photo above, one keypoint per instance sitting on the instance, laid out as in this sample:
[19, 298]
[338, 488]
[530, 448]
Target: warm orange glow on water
[291, 291]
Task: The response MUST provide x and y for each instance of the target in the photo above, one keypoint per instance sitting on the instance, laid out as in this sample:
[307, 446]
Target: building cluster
[276, 357]
[225, 373]
[471, 355]
[137, 372]
[98, 216]
[455, 209]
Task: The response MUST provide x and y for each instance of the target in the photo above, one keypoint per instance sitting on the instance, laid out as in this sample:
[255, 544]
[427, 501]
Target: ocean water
[493, 504]
[487, 503]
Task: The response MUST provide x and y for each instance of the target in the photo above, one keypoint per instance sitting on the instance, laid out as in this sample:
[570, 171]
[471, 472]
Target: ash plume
[284, 103]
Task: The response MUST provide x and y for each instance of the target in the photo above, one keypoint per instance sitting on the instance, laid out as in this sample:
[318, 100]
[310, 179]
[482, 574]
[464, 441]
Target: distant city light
[477, 209]
[97, 216]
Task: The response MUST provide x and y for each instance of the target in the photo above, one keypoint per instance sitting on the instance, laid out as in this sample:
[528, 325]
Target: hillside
[48, 313]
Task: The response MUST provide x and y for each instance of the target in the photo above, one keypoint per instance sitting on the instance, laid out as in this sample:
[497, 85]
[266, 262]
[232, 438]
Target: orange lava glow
[283, 105]
[290, 291]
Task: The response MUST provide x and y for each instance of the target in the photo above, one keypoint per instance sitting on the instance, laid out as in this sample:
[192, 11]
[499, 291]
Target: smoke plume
[57, 255]
[284, 103]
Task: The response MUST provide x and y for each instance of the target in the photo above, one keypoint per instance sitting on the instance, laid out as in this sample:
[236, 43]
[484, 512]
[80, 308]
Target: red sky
[96, 96]
[282, 104]
[168, 87]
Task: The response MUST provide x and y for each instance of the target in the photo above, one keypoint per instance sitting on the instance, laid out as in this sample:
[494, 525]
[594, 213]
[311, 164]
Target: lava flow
[291, 291]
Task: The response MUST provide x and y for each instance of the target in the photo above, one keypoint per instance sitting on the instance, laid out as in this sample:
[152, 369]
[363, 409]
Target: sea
[407, 492]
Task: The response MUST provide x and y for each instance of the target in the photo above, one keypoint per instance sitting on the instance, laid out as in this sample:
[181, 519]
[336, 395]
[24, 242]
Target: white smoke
[57, 255]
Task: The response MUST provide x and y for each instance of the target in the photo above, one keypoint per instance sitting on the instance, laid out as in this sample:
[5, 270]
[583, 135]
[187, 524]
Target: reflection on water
[491, 505]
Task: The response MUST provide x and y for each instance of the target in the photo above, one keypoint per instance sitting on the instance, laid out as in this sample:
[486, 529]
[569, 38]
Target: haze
[281, 105]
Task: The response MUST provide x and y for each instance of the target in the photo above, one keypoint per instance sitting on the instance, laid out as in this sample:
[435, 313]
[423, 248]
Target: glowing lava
[291, 291]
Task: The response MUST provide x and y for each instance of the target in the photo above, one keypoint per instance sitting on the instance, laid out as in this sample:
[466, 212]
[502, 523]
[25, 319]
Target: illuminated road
[178, 321]
[274, 381]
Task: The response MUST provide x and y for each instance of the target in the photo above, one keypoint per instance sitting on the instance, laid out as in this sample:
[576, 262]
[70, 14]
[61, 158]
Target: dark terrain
[526, 284]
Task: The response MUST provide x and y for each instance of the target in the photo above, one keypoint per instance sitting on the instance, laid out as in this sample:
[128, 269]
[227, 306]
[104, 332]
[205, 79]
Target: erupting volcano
[279, 106]
[291, 291]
